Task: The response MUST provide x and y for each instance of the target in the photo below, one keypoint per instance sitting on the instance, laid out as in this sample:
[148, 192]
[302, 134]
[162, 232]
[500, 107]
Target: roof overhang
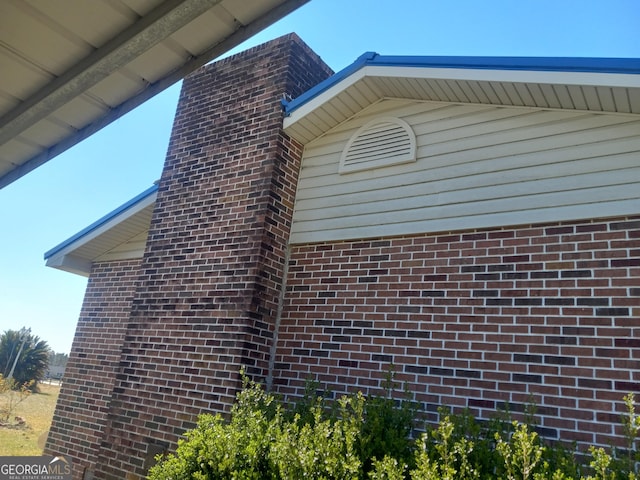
[119, 235]
[590, 84]
[598, 85]
[71, 68]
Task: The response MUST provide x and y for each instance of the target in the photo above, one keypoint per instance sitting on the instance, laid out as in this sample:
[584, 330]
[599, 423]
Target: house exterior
[472, 223]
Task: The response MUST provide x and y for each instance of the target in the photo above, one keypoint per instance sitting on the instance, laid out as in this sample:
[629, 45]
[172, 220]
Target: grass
[37, 410]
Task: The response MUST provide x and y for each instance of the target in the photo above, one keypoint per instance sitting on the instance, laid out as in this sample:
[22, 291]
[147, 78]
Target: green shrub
[219, 450]
[387, 469]
[443, 457]
[358, 438]
[389, 421]
[259, 443]
[387, 425]
[322, 448]
[521, 454]
[626, 461]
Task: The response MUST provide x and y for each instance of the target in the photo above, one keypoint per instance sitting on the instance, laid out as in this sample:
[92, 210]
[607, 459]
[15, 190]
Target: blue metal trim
[547, 64]
[102, 221]
[630, 66]
[360, 62]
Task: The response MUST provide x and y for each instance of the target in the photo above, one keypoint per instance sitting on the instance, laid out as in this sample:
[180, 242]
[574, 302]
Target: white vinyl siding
[477, 166]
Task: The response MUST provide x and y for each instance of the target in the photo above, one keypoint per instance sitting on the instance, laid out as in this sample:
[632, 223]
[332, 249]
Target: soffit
[71, 67]
[120, 235]
[311, 117]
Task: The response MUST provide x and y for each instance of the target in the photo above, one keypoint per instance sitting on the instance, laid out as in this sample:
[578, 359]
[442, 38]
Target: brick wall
[539, 314]
[209, 281]
[479, 319]
[81, 414]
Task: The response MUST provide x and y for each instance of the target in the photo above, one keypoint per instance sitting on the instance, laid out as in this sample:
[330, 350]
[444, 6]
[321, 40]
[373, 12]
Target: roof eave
[610, 72]
[64, 256]
[618, 66]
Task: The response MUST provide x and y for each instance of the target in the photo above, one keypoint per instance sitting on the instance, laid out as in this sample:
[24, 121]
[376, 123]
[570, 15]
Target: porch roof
[71, 68]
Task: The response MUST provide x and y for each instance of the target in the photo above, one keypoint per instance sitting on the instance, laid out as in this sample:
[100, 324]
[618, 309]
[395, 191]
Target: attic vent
[379, 143]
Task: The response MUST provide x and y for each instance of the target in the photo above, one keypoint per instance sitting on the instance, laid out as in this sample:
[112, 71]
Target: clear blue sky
[52, 203]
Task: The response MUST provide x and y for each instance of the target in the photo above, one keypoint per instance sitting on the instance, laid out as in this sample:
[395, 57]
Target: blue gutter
[102, 221]
[542, 64]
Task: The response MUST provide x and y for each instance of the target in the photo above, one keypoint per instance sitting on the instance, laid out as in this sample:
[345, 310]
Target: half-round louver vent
[379, 143]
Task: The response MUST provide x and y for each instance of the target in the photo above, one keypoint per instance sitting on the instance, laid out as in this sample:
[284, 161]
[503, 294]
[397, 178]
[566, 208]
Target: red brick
[221, 198]
[497, 332]
[468, 318]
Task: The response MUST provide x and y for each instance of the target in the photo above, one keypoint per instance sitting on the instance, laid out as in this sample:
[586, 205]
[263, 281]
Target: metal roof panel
[120, 53]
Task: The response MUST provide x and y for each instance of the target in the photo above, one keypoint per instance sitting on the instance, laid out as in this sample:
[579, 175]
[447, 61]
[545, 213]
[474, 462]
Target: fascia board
[530, 64]
[322, 98]
[71, 264]
[581, 78]
[623, 80]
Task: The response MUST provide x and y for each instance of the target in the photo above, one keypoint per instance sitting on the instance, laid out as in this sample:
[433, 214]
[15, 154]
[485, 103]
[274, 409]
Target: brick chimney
[209, 281]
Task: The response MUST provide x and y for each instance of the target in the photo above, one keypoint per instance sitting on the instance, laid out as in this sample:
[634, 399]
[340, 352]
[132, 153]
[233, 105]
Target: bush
[259, 443]
[389, 421]
[12, 394]
[360, 438]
